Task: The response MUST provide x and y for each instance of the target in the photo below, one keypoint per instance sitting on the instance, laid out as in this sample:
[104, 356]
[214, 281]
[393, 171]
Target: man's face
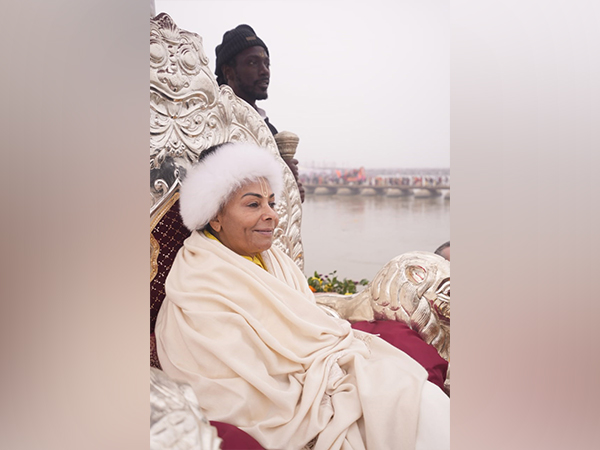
[249, 79]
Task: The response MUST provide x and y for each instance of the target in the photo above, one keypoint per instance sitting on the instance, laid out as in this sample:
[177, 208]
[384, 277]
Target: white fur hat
[209, 184]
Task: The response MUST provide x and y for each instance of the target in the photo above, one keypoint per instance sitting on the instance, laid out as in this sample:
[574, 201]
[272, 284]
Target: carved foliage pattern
[176, 419]
[177, 58]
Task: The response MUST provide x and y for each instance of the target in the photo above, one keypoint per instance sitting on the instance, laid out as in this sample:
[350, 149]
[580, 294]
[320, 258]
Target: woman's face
[247, 221]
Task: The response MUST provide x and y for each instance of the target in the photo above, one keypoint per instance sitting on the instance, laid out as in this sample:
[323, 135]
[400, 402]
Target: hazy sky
[361, 82]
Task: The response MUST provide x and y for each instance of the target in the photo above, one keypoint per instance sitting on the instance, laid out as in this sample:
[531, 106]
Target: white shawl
[261, 355]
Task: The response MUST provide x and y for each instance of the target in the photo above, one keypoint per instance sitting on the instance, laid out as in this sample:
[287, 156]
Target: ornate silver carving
[190, 113]
[176, 420]
[287, 143]
[413, 288]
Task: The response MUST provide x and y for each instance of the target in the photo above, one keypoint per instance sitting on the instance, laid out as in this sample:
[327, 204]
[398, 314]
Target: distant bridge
[365, 189]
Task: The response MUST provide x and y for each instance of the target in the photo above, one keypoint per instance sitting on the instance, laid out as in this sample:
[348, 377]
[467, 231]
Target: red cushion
[234, 438]
[402, 337]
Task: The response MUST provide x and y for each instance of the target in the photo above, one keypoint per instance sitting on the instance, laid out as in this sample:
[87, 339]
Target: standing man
[243, 64]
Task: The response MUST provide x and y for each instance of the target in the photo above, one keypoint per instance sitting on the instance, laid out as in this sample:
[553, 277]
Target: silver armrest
[413, 288]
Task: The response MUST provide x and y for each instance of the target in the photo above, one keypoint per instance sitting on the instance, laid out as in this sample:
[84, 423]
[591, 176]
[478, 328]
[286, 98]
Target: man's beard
[252, 90]
[262, 95]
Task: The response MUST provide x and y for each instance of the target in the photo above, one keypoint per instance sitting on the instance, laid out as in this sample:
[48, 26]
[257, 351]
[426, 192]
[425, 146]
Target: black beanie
[234, 41]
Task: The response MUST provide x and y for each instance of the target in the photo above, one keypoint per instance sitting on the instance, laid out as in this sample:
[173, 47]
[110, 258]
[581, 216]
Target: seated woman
[241, 326]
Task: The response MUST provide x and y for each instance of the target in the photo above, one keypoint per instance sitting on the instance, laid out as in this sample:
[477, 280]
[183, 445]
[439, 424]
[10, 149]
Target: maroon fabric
[154, 362]
[170, 234]
[402, 337]
[234, 438]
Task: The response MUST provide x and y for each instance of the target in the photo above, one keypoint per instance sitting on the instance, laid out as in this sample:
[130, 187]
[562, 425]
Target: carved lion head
[414, 288]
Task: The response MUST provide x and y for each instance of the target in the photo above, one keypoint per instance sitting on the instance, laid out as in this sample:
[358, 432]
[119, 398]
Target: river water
[356, 235]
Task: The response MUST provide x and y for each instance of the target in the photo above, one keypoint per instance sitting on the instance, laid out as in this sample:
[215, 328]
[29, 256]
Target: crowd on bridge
[358, 177]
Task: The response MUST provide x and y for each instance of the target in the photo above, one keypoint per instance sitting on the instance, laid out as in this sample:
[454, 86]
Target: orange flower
[312, 288]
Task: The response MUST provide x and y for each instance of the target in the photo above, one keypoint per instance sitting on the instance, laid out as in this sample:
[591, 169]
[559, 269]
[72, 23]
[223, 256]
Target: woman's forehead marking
[263, 187]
